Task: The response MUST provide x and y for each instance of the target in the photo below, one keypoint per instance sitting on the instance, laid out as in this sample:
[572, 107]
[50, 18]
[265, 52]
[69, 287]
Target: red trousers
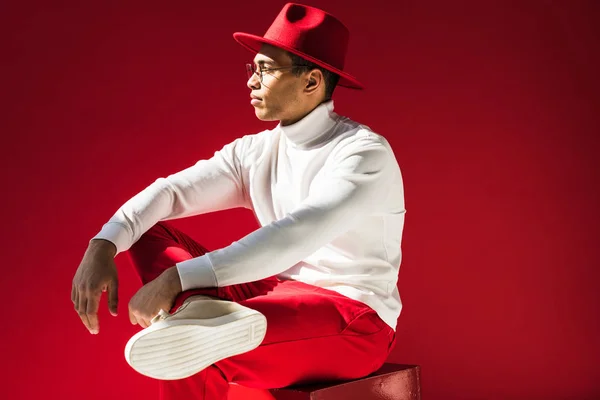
[313, 334]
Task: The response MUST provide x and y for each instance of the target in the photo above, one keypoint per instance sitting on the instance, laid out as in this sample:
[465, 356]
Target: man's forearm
[209, 185]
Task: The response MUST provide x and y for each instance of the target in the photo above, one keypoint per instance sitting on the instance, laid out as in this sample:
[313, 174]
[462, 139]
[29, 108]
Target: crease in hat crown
[310, 33]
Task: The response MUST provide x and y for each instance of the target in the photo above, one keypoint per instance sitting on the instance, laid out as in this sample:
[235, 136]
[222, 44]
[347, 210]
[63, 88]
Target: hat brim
[253, 43]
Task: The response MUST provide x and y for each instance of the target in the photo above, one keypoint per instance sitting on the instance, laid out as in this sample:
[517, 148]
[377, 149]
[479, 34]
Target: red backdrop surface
[491, 107]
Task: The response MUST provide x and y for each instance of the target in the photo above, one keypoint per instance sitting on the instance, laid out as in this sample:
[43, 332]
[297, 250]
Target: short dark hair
[331, 79]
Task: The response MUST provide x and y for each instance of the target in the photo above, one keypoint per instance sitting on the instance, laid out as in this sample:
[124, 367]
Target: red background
[492, 110]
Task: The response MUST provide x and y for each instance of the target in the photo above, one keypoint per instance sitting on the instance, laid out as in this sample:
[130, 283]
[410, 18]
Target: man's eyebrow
[262, 62]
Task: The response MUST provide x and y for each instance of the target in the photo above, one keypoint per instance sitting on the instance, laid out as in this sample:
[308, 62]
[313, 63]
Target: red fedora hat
[311, 33]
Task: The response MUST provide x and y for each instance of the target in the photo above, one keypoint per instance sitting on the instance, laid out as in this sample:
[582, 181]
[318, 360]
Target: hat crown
[317, 33]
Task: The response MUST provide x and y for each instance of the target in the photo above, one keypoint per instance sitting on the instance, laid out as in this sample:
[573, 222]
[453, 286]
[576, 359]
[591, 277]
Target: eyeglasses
[252, 69]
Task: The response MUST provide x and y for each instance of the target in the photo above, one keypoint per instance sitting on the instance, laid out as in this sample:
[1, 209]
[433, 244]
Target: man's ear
[314, 76]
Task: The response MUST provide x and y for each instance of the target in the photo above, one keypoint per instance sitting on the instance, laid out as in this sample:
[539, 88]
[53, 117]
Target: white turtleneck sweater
[327, 192]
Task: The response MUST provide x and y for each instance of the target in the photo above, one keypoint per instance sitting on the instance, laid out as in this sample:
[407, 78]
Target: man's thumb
[113, 296]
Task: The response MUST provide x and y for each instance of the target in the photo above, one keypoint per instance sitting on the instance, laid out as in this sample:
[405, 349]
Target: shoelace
[162, 314]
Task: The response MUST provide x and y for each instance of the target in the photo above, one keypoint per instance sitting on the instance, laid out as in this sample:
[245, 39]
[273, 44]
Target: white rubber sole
[178, 349]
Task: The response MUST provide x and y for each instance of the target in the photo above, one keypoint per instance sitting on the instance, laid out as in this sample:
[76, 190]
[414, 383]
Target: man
[310, 295]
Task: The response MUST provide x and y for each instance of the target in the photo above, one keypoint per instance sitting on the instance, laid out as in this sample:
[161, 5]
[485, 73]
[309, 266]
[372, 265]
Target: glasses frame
[251, 69]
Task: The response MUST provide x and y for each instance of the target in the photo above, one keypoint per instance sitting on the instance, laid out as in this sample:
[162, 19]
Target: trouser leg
[313, 334]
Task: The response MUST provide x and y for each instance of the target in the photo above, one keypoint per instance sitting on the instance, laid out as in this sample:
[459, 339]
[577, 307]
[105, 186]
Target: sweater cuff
[196, 273]
[115, 233]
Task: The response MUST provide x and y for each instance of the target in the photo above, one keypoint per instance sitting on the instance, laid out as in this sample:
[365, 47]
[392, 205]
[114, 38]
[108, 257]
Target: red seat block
[391, 382]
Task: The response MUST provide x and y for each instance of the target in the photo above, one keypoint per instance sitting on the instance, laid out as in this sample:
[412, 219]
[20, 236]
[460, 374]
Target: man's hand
[97, 273]
[154, 296]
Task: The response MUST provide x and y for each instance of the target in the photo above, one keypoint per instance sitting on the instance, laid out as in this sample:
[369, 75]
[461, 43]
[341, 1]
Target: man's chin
[261, 115]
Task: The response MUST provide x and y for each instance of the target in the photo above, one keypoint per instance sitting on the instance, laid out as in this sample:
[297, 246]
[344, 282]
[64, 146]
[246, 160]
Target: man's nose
[253, 82]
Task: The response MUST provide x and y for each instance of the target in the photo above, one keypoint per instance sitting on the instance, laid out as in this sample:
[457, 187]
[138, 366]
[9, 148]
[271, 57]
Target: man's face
[280, 92]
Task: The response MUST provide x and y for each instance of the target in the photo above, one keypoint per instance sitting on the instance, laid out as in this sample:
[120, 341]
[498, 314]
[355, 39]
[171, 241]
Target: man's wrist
[103, 245]
[171, 275]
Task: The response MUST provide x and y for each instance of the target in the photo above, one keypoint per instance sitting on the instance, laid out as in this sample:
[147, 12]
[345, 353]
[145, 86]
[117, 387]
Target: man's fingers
[113, 296]
[132, 318]
[92, 310]
[138, 319]
[76, 298]
[81, 310]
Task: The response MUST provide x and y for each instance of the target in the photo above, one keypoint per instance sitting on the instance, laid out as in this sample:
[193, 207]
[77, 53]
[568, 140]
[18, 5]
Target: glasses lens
[249, 70]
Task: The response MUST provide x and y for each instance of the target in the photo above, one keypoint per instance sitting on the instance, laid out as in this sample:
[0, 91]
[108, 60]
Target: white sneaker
[201, 332]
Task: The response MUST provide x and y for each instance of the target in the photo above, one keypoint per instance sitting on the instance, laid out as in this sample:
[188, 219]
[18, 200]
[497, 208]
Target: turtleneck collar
[313, 128]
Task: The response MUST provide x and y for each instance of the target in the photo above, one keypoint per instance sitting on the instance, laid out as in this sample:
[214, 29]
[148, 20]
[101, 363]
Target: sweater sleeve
[349, 187]
[209, 185]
